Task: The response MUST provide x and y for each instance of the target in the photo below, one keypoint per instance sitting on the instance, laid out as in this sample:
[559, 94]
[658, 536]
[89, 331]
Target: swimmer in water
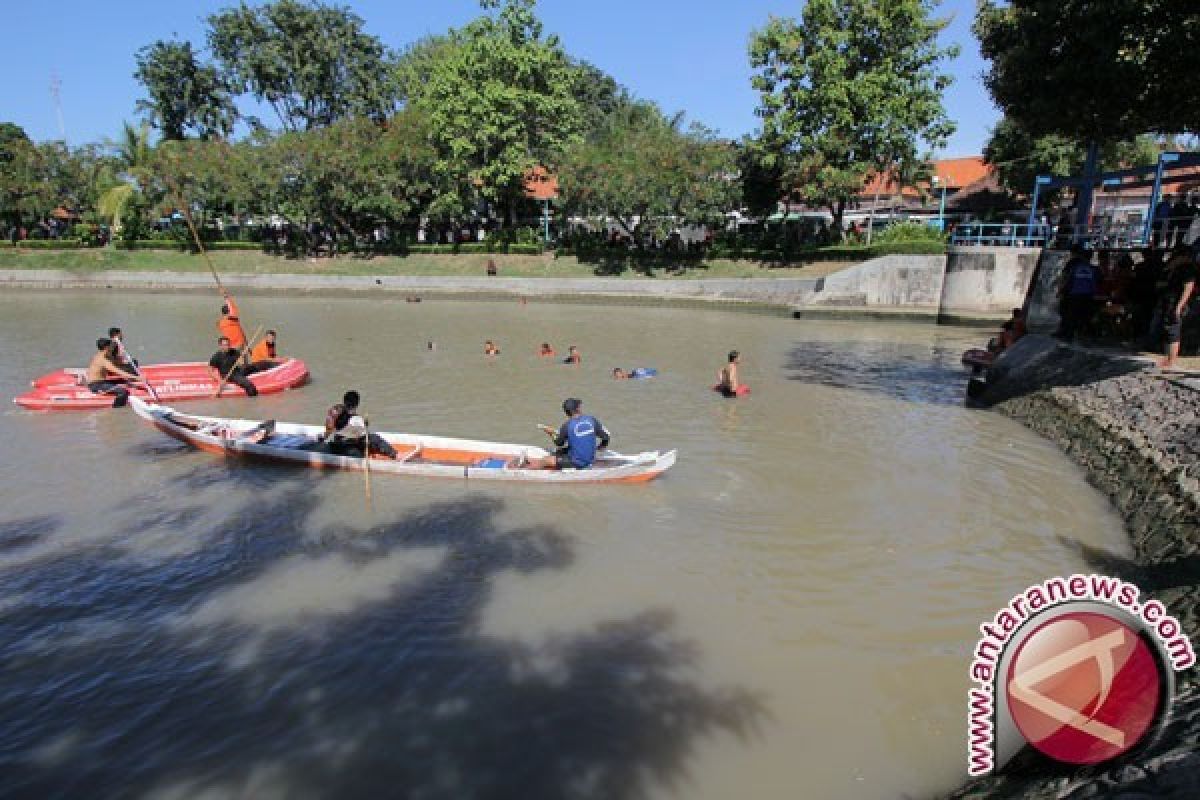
[620, 374]
[545, 351]
[490, 349]
[727, 378]
[573, 356]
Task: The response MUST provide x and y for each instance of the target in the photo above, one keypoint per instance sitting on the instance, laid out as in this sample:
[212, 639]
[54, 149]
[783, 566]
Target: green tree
[1093, 73]
[356, 173]
[194, 174]
[762, 178]
[23, 191]
[413, 66]
[313, 64]
[853, 87]
[134, 152]
[500, 99]
[65, 173]
[12, 137]
[650, 176]
[37, 178]
[183, 94]
[599, 96]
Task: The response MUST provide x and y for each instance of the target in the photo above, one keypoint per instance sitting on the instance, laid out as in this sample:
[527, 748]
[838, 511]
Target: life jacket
[230, 326]
[263, 351]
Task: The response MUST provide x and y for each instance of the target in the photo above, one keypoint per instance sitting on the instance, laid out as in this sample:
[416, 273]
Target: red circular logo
[1084, 688]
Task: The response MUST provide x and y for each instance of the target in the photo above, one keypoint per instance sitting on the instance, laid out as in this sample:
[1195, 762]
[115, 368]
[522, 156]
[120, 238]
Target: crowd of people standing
[1147, 302]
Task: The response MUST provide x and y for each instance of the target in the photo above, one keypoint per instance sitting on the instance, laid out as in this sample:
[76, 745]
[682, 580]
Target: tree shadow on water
[18, 533]
[341, 663]
[916, 373]
[1178, 573]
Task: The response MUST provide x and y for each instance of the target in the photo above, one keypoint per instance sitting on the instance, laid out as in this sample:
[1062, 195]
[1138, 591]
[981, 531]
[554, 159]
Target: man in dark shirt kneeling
[224, 365]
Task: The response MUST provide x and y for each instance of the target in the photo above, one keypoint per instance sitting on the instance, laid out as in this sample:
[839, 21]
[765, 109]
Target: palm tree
[112, 203]
[134, 152]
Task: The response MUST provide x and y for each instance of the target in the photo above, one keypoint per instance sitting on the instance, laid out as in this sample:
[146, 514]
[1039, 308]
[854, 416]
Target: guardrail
[1097, 237]
[1001, 234]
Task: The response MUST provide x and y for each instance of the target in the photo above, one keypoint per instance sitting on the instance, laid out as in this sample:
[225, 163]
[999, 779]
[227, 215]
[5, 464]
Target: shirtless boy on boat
[102, 369]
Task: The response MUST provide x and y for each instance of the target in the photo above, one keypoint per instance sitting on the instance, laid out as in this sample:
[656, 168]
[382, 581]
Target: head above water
[351, 399]
[618, 372]
[571, 406]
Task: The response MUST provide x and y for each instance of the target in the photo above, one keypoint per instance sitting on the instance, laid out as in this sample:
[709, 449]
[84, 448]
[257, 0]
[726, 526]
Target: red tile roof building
[968, 173]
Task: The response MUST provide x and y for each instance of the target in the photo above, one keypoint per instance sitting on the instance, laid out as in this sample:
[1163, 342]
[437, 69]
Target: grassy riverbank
[518, 266]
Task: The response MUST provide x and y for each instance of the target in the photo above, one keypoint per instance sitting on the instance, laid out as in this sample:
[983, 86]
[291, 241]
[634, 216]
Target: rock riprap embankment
[1136, 433]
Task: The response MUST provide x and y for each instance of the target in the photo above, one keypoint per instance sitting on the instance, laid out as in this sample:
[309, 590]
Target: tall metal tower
[56, 94]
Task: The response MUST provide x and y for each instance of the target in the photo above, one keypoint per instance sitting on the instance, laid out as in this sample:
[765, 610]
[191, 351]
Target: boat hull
[63, 391]
[418, 455]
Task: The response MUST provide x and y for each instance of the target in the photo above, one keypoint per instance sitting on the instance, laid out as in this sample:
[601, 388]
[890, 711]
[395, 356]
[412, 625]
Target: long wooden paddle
[184, 206]
[366, 457]
[241, 354]
[137, 371]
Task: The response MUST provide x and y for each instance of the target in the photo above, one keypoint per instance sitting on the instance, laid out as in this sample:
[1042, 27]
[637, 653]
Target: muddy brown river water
[787, 613]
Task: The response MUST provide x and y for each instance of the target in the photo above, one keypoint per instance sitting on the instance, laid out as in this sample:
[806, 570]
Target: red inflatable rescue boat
[64, 390]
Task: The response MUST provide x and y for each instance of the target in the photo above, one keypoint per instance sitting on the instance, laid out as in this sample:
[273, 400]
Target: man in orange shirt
[264, 355]
[230, 325]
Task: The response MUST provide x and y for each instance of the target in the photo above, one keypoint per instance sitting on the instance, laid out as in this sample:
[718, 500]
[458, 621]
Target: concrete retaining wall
[986, 280]
[780, 292]
[1043, 297]
[970, 284]
[899, 284]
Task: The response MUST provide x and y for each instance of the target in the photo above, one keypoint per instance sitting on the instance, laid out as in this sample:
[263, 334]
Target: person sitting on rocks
[1012, 330]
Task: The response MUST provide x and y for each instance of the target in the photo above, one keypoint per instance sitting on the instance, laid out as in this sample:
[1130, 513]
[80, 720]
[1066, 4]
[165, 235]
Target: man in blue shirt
[1077, 292]
[577, 440]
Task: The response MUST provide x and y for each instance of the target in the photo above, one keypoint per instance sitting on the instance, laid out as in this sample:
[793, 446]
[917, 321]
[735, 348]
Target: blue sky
[688, 56]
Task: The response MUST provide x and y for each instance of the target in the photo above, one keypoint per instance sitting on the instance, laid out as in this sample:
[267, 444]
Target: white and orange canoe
[427, 456]
[64, 389]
